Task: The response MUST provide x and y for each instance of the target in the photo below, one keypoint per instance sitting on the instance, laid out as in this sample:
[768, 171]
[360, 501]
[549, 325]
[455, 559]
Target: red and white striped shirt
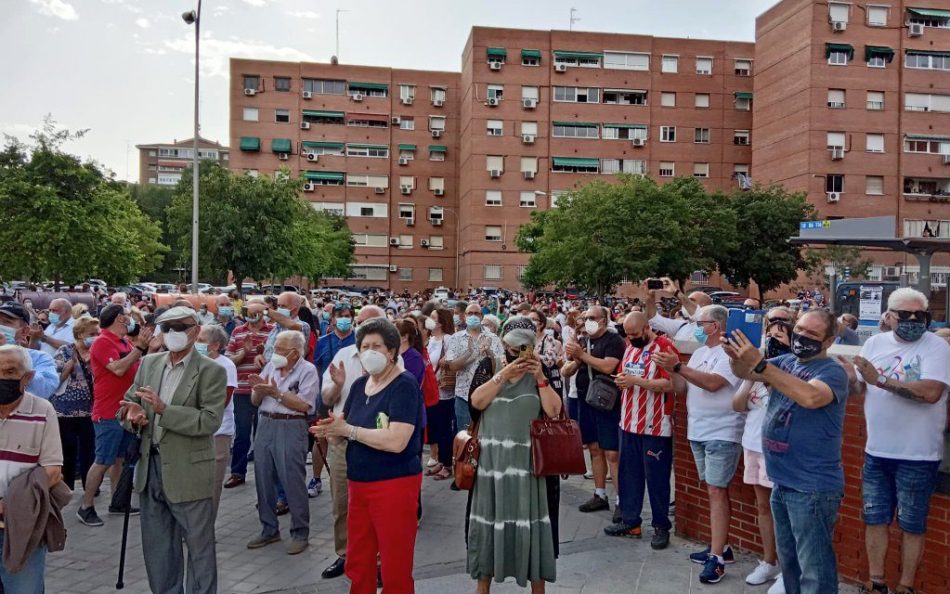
[643, 411]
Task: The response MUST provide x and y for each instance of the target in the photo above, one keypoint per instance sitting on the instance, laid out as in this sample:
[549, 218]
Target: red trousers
[382, 520]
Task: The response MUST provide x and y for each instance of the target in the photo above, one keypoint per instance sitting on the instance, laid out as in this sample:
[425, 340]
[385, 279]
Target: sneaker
[88, 516]
[873, 587]
[778, 587]
[282, 508]
[621, 529]
[661, 539]
[589, 475]
[295, 547]
[432, 462]
[118, 511]
[762, 573]
[618, 515]
[315, 487]
[713, 571]
[700, 557]
[595, 503]
[262, 541]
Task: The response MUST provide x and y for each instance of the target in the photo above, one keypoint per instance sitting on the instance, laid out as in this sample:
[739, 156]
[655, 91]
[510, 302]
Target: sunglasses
[175, 327]
[904, 315]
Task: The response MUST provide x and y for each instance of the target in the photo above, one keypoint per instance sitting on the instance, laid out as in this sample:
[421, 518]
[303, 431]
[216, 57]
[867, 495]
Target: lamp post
[193, 17]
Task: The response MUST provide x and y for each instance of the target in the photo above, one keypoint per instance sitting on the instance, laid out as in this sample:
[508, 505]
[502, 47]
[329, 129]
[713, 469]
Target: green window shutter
[438, 148]
[871, 51]
[407, 147]
[931, 12]
[839, 47]
[576, 162]
[368, 146]
[250, 143]
[928, 137]
[368, 86]
[577, 124]
[317, 113]
[280, 145]
[319, 144]
[928, 53]
[323, 175]
[741, 95]
[531, 53]
[497, 52]
[631, 126]
[572, 54]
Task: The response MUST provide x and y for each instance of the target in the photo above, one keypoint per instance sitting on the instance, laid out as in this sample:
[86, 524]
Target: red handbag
[556, 447]
[430, 385]
[465, 453]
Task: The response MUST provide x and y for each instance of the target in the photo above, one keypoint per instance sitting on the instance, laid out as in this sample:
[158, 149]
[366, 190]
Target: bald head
[701, 299]
[370, 312]
[291, 301]
[62, 307]
[637, 326]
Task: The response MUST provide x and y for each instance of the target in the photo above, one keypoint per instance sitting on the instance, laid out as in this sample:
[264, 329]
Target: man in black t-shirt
[600, 430]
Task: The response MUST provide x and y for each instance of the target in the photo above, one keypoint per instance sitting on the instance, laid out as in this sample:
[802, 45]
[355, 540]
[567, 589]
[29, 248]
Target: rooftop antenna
[337, 56]
[574, 19]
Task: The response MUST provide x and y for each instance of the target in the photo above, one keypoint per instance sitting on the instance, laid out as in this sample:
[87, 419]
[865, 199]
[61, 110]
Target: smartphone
[527, 352]
[654, 284]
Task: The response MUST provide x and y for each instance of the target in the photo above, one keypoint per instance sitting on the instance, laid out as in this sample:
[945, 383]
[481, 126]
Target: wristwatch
[677, 367]
[761, 365]
[881, 380]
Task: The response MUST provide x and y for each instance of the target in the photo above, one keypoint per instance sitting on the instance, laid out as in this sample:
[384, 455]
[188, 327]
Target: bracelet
[141, 350]
[353, 430]
[543, 384]
[677, 367]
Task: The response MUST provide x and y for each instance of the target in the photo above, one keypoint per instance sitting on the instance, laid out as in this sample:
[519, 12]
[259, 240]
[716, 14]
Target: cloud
[257, 3]
[143, 22]
[215, 53]
[303, 14]
[56, 8]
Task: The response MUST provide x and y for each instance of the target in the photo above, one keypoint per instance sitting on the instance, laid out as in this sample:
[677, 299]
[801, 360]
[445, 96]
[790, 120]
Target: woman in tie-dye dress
[509, 527]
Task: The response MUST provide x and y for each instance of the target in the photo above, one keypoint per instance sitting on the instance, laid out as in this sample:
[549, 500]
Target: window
[626, 61]
[436, 213]
[834, 183]
[405, 274]
[611, 166]
[437, 94]
[168, 180]
[496, 92]
[368, 89]
[367, 120]
[922, 144]
[576, 94]
[529, 93]
[529, 128]
[743, 67]
[836, 140]
[493, 272]
[574, 130]
[874, 185]
[374, 273]
[926, 61]
[575, 165]
[435, 274]
[874, 143]
[367, 150]
[704, 66]
[407, 123]
[281, 84]
[580, 59]
[436, 122]
[875, 100]
[379, 210]
[700, 169]
[667, 169]
[667, 133]
[251, 172]
[921, 102]
[837, 57]
[528, 200]
[742, 168]
[437, 184]
[493, 198]
[494, 127]
[405, 242]
[282, 116]
[740, 137]
[931, 228]
[492, 233]
[878, 57]
[322, 148]
[877, 16]
[369, 181]
[251, 114]
[152, 180]
[407, 181]
[530, 60]
[407, 93]
[670, 64]
[436, 242]
[529, 164]
[319, 86]
[436, 154]
[702, 101]
[494, 163]
[624, 132]
[252, 82]
[407, 211]
[935, 18]
[153, 153]
[668, 99]
[743, 102]
[624, 97]
[839, 12]
[701, 135]
[367, 240]
[836, 98]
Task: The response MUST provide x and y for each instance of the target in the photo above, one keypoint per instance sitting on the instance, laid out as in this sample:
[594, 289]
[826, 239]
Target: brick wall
[692, 511]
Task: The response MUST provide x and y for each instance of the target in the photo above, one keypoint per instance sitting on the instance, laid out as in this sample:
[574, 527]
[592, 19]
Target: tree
[766, 220]
[154, 201]
[840, 258]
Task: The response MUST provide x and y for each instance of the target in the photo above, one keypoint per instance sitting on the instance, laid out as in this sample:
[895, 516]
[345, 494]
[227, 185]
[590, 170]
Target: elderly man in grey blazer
[177, 402]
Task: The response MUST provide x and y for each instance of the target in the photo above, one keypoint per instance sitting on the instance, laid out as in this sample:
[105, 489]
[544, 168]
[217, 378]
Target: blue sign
[814, 225]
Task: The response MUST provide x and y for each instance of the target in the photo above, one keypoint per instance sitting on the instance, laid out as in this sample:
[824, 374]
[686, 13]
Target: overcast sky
[124, 68]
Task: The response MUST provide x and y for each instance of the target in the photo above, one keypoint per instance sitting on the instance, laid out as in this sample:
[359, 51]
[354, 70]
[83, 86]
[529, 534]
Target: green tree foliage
[258, 227]
[840, 258]
[64, 220]
[154, 201]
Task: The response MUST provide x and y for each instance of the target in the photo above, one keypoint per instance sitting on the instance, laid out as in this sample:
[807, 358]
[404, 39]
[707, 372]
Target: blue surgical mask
[473, 321]
[699, 333]
[201, 348]
[88, 341]
[457, 320]
[226, 311]
[54, 319]
[8, 333]
[344, 324]
[283, 311]
[326, 316]
[130, 325]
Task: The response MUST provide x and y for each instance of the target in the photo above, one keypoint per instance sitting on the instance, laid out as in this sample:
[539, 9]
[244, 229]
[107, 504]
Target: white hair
[718, 313]
[296, 339]
[26, 362]
[492, 320]
[904, 295]
[119, 298]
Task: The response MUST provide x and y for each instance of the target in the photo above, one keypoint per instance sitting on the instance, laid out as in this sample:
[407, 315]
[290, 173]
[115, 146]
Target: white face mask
[278, 361]
[591, 326]
[373, 361]
[549, 331]
[175, 341]
[430, 324]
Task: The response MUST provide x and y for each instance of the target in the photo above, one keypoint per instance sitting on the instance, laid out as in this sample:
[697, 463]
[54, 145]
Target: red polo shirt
[109, 388]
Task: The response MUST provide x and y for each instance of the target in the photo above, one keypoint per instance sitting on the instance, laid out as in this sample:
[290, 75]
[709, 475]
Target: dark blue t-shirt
[401, 401]
[802, 446]
[328, 346]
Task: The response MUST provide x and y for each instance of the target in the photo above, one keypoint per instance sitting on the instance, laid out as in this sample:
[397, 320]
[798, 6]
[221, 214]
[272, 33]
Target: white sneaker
[432, 462]
[762, 573]
[778, 587]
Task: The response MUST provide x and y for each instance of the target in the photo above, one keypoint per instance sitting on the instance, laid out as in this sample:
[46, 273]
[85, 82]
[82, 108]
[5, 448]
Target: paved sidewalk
[590, 562]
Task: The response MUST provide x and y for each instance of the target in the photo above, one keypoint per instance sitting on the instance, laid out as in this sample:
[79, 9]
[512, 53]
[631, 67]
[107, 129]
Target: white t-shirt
[758, 402]
[709, 414]
[899, 428]
[227, 423]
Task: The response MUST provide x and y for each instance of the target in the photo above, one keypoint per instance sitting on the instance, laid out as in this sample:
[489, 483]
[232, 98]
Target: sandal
[434, 470]
[443, 474]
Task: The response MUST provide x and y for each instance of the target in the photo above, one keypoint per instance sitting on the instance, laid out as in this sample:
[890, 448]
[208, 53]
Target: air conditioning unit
[838, 26]
[396, 120]
[946, 159]
[638, 142]
[528, 174]
[407, 100]
[529, 103]
[438, 103]
[833, 197]
[405, 190]
[438, 192]
[411, 222]
[915, 29]
[403, 161]
[837, 154]
[890, 271]
[424, 243]
[250, 92]
[313, 157]
[494, 65]
[309, 187]
[436, 222]
[492, 102]
[307, 95]
[436, 133]
[527, 138]
[560, 68]
[494, 173]
[380, 190]
[304, 125]
[357, 97]
[394, 241]
[393, 267]
[283, 156]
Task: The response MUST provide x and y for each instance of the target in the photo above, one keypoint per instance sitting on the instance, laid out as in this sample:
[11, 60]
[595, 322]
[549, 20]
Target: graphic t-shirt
[758, 403]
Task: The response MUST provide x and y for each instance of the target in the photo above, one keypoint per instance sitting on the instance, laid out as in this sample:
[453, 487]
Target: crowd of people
[196, 389]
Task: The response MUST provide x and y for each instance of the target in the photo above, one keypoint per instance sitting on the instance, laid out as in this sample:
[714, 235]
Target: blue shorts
[597, 426]
[716, 461]
[901, 485]
[111, 441]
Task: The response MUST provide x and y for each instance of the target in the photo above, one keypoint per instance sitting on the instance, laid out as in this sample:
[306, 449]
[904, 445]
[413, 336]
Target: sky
[124, 69]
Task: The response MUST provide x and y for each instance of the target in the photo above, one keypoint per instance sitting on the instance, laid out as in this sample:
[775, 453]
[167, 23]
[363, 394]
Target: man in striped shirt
[646, 432]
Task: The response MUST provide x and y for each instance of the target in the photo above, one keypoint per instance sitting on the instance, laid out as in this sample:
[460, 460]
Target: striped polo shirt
[28, 438]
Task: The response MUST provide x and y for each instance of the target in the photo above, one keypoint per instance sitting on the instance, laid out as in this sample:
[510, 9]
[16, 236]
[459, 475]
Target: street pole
[195, 172]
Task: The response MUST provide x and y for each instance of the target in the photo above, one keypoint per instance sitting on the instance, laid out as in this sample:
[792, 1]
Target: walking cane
[124, 495]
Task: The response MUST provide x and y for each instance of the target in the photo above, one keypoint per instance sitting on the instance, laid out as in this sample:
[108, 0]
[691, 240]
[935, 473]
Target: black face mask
[134, 331]
[509, 357]
[774, 347]
[10, 391]
[639, 342]
[804, 347]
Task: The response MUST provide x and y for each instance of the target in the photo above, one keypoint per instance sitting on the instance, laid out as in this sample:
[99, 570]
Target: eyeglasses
[778, 319]
[705, 321]
[904, 315]
[175, 327]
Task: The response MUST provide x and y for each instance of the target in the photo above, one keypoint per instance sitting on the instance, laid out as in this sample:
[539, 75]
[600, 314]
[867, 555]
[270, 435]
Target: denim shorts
[901, 485]
[111, 441]
[716, 461]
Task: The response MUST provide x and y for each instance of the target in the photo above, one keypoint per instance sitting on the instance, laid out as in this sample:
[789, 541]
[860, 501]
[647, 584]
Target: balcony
[926, 190]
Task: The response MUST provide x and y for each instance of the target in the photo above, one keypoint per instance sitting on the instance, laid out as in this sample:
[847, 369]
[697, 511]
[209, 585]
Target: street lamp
[193, 17]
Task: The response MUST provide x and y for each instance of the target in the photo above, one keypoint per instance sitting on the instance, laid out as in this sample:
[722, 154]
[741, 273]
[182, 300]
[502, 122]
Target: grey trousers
[164, 526]
[280, 454]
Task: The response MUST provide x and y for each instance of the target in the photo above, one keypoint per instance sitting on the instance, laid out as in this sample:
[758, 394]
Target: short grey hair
[381, 327]
[26, 362]
[716, 313]
[492, 320]
[295, 338]
[905, 294]
[215, 335]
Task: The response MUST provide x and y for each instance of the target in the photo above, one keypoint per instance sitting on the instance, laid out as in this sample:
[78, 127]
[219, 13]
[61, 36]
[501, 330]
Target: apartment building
[852, 106]
[162, 163]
